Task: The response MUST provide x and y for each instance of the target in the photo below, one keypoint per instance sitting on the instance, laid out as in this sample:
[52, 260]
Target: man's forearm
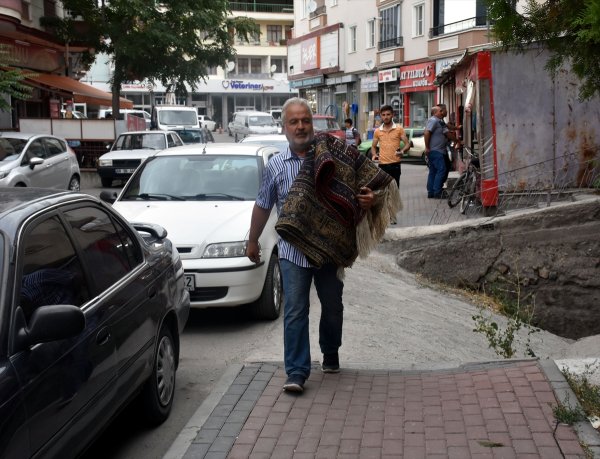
[260, 217]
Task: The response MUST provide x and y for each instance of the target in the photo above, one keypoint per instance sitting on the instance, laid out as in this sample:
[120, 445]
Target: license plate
[125, 171]
[189, 282]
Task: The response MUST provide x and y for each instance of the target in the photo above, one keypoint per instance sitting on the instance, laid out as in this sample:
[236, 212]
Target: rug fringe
[371, 229]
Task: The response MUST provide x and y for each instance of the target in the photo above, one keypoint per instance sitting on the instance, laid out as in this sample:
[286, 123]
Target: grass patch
[587, 393]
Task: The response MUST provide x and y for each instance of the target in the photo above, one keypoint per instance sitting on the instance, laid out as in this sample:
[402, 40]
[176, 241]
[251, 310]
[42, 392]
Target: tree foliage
[569, 28]
[11, 80]
[173, 41]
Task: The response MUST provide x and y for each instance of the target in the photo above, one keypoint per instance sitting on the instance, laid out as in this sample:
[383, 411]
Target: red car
[326, 123]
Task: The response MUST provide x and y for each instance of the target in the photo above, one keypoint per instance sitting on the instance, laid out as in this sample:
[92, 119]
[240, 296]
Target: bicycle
[465, 190]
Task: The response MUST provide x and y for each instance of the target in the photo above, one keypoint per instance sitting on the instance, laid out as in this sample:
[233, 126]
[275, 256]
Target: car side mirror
[108, 196]
[35, 161]
[49, 323]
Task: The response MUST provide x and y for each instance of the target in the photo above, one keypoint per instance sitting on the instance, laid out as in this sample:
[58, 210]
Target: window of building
[352, 39]
[288, 31]
[305, 8]
[371, 33]
[242, 66]
[418, 15]
[255, 65]
[390, 31]
[280, 64]
[274, 33]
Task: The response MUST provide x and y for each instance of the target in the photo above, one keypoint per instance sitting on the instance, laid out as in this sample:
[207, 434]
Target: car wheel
[74, 184]
[106, 182]
[268, 306]
[157, 395]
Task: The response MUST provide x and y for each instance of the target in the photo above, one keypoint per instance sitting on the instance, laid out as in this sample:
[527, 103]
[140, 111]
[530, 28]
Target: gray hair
[294, 101]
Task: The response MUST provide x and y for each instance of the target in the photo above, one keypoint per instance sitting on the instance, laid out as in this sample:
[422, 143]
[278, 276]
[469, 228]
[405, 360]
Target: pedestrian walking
[388, 136]
[352, 135]
[435, 149]
[323, 226]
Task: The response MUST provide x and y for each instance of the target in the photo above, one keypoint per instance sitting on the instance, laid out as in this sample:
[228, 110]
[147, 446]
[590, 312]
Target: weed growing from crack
[587, 393]
[519, 316]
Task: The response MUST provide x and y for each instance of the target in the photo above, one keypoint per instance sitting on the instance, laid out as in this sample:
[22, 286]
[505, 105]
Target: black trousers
[393, 169]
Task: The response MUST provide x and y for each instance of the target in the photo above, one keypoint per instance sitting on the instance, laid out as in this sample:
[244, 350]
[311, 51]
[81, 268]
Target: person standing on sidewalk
[296, 271]
[388, 137]
[435, 148]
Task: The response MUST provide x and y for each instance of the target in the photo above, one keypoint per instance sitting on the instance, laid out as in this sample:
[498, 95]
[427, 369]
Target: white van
[251, 122]
[168, 117]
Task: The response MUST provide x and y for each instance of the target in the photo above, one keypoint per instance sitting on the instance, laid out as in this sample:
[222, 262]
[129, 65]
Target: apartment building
[52, 67]
[349, 57]
[255, 79]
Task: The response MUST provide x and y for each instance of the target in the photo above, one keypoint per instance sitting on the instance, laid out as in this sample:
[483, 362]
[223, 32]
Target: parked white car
[130, 150]
[203, 195]
[251, 122]
[37, 160]
[277, 140]
[207, 122]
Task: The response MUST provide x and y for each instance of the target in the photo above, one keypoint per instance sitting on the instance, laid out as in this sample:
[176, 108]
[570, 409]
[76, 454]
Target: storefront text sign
[307, 82]
[245, 85]
[309, 53]
[417, 77]
[369, 83]
[388, 75]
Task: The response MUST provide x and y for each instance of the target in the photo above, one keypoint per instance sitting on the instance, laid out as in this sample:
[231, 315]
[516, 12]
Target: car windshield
[152, 141]
[260, 120]
[325, 124]
[192, 135]
[196, 178]
[10, 149]
[178, 117]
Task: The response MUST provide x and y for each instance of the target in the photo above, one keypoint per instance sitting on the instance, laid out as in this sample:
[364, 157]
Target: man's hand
[366, 198]
[253, 251]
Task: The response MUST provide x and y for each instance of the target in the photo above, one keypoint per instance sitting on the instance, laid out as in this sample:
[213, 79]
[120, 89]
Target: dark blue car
[90, 316]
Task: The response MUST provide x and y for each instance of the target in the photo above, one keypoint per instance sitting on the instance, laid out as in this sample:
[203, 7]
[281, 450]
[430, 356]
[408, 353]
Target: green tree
[11, 80]
[569, 28]
[173, 41]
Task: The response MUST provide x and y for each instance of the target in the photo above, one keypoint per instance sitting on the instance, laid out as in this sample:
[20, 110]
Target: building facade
[255, 79]
[349, 57]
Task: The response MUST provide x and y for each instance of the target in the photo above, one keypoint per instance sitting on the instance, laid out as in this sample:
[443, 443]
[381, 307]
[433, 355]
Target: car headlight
[105, 162]
[3, 174]
[225, 250]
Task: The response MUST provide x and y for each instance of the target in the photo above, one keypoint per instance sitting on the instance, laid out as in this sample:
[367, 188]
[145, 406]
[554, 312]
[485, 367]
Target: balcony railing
[262, 7]
[390, 43]
[459, 26]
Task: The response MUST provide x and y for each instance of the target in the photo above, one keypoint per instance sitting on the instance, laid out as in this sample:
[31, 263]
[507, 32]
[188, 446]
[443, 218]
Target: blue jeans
[296, 304]
[437, 172]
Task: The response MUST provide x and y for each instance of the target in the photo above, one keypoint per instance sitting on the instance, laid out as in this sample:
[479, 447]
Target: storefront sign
[446, 63]
[309, 54]
[369, 83]
[388, 75]
[245, 85]
[417, 77]
[306, 82]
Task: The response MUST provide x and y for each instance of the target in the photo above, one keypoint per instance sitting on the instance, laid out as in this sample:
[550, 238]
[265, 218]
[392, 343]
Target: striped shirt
[280, 173]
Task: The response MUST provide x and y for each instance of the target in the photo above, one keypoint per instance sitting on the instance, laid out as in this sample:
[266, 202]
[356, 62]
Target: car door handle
[102, 337]
[152, 292]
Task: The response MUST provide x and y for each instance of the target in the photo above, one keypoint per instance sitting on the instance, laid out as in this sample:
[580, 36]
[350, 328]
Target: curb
[187, 435]
[587, 435]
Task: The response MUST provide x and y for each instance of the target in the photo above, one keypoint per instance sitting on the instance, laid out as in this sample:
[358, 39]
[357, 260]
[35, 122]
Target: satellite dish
[273, 68]
[230, 66]
[312, 6]
[369, 65]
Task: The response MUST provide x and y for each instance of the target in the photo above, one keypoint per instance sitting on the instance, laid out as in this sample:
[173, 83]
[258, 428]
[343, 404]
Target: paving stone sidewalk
[501, 409]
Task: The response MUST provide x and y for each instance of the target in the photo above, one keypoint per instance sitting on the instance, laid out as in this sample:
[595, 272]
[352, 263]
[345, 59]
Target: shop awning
[82, 93]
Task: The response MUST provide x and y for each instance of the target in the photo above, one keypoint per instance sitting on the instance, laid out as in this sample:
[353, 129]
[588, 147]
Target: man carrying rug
[333, 205]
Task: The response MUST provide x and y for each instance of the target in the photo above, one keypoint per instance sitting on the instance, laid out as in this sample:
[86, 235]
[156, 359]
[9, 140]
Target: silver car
[37, 160]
